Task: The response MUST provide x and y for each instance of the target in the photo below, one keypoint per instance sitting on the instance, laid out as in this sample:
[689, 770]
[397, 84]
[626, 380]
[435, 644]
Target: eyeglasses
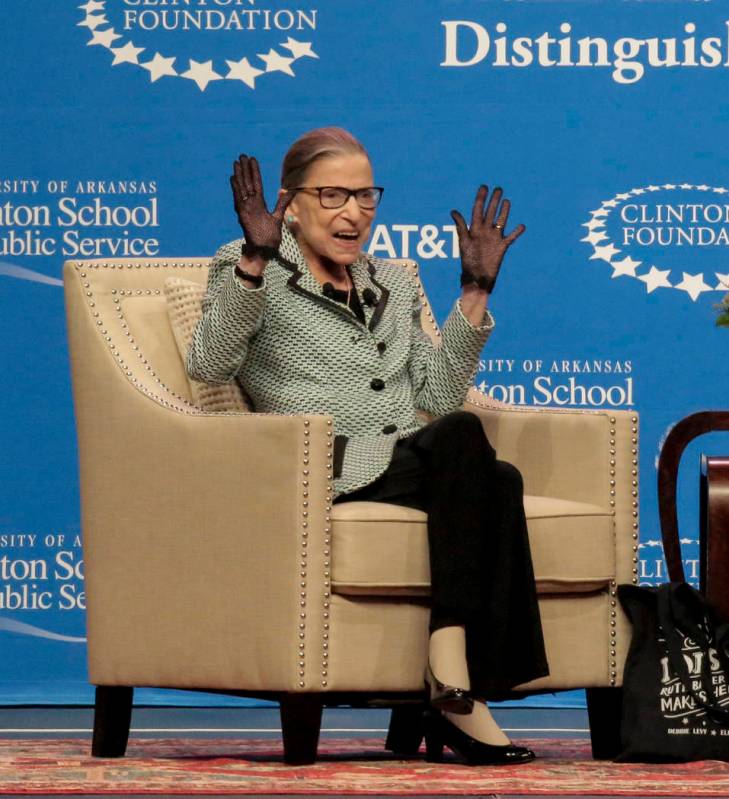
[337, 196]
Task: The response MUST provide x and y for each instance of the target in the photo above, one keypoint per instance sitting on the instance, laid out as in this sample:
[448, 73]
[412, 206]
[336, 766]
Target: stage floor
[39, 723]
[218, 722]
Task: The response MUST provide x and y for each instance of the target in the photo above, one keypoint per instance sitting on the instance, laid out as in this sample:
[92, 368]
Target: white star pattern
[299, 49]
[656, 279]
[92, 21]
[92, 6]
[242, 70]
[603, 248]
[104, 38]
[604, 253]
[625, 267]
[275, 62]
[595, 237]
[159, 66]
[202, 73]
[129, 54]
[693, 285]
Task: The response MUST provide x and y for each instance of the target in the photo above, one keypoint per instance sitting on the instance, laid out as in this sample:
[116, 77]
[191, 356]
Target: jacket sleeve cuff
[249, 289]
[487, 322]
[240, 308]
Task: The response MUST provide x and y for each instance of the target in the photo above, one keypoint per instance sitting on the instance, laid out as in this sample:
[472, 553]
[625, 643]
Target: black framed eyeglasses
[367, 198]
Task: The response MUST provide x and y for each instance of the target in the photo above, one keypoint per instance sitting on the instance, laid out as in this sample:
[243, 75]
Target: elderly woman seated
[306, 322]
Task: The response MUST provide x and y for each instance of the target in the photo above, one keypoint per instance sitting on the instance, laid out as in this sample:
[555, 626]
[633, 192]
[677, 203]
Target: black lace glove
[483, 244]
[262, 230]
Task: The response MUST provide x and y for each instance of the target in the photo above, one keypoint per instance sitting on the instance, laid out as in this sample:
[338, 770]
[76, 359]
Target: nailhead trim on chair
[634, 513]
[145, 362]
[612, 662]
[186, 407]
[327, 547]
[613, 642]
[304, 553]
[412, 267]
[634, 493]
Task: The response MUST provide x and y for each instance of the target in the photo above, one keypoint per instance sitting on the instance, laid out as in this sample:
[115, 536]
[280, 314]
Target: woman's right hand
[262, 230]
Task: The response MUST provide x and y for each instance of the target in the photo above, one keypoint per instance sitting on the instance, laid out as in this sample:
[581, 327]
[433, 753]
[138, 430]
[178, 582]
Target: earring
[290, 219]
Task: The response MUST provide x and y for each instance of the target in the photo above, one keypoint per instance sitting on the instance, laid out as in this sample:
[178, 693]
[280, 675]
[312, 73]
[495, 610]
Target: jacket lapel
[301, 280]
[364, 277]
[383, 295]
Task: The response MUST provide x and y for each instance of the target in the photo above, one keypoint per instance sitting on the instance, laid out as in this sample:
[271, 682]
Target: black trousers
[481, 567]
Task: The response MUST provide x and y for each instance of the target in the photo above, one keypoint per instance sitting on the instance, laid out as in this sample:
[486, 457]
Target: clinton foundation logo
[673, 236]
[236, 42]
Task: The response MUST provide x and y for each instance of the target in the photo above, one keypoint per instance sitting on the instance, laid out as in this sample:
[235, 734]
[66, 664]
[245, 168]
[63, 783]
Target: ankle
[447, 656]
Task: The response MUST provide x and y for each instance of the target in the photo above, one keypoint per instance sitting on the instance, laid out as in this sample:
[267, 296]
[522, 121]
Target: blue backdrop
[606, 122]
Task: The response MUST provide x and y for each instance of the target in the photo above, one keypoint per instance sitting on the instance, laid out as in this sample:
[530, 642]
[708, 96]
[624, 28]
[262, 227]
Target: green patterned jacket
[293, 350]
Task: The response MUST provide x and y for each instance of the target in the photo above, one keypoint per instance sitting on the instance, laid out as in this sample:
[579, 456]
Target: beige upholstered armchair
[216, 561]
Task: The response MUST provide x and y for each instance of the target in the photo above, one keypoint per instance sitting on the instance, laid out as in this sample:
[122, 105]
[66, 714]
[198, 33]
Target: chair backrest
[120, 306]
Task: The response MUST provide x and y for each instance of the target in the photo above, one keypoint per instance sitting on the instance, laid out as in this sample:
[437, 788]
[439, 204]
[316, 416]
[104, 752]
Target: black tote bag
[675, 686]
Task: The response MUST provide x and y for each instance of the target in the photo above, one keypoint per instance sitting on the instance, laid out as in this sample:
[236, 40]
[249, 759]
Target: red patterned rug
[346, 766]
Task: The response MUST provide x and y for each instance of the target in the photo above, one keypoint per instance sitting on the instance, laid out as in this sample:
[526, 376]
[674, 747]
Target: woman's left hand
[483, 244]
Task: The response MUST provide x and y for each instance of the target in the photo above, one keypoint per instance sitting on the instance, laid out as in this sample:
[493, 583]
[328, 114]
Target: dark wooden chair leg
[112, 719]
[300, 724]
[407, 727]
[605, 712]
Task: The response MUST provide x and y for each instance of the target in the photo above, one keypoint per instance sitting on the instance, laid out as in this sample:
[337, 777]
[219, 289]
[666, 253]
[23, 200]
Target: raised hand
[262, 230]
[483, 244]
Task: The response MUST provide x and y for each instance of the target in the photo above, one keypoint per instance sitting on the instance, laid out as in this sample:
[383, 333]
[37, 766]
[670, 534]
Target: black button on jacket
[290, 349]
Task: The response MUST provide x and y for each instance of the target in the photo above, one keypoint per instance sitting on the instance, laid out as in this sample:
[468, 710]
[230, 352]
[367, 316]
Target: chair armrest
[585, 456]
[571, 454]
[206, 540]
[206, 536]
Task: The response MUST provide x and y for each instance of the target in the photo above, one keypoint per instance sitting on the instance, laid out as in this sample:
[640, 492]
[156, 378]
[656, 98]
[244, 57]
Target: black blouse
[340, 295]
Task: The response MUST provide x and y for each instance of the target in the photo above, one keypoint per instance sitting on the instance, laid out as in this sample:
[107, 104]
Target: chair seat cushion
[381, 549]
